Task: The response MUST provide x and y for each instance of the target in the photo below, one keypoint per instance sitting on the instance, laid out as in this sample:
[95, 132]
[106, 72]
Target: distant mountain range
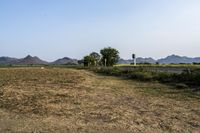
[172, 59]
[35, 60]
[178, 59]
[7, 60]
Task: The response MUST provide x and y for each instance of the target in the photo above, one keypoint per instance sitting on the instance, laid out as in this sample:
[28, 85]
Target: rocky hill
[31, 60]
[65, 60]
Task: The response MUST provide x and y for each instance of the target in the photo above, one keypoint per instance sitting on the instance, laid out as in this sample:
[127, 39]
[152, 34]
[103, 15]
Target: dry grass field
[68, 100]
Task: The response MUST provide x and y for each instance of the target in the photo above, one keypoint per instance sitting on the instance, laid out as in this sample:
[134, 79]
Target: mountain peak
[65, 60]
[28, 57]
[31, 60]
[173, 55]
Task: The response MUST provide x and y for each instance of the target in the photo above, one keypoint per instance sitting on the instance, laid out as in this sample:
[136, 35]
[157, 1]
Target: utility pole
[134, 59]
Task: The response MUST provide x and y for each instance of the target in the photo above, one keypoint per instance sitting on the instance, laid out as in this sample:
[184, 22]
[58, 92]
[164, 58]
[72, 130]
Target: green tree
[88, 60]
[110, 56]
[96, 58]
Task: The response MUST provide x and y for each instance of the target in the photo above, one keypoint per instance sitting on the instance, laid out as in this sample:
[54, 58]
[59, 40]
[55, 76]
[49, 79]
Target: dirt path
[66, 100]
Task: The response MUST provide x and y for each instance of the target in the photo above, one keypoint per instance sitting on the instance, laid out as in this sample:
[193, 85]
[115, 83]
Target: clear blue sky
[52, 29]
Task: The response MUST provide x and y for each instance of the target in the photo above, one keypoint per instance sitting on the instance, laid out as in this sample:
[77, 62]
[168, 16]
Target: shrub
[108, 71]
[141, 75]
[190, 77]
[164, 77]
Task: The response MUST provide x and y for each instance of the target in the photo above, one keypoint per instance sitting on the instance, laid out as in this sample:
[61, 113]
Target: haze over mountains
[172, 59]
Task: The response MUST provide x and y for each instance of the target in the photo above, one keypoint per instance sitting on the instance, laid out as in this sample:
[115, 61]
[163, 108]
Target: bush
[140, 75]
[108, 71]
[164, 77]
[190, 77]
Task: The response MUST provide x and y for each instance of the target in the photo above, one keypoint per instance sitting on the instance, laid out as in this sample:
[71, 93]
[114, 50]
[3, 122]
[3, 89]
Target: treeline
[107, 57]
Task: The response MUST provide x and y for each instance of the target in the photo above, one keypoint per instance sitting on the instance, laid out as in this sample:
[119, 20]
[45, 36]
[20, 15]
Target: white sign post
[134, 59]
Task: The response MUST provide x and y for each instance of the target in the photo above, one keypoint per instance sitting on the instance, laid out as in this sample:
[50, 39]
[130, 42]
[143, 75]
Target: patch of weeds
[153, 91]
[64, 81]
[67, 81]
[1, 83]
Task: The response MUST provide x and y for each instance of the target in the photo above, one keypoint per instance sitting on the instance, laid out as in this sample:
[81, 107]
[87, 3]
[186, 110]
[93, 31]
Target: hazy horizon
[52, 29]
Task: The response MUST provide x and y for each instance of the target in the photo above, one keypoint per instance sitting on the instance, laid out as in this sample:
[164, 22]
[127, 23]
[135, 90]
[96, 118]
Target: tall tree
[96, 58]
[88, 60]
[110, 56]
